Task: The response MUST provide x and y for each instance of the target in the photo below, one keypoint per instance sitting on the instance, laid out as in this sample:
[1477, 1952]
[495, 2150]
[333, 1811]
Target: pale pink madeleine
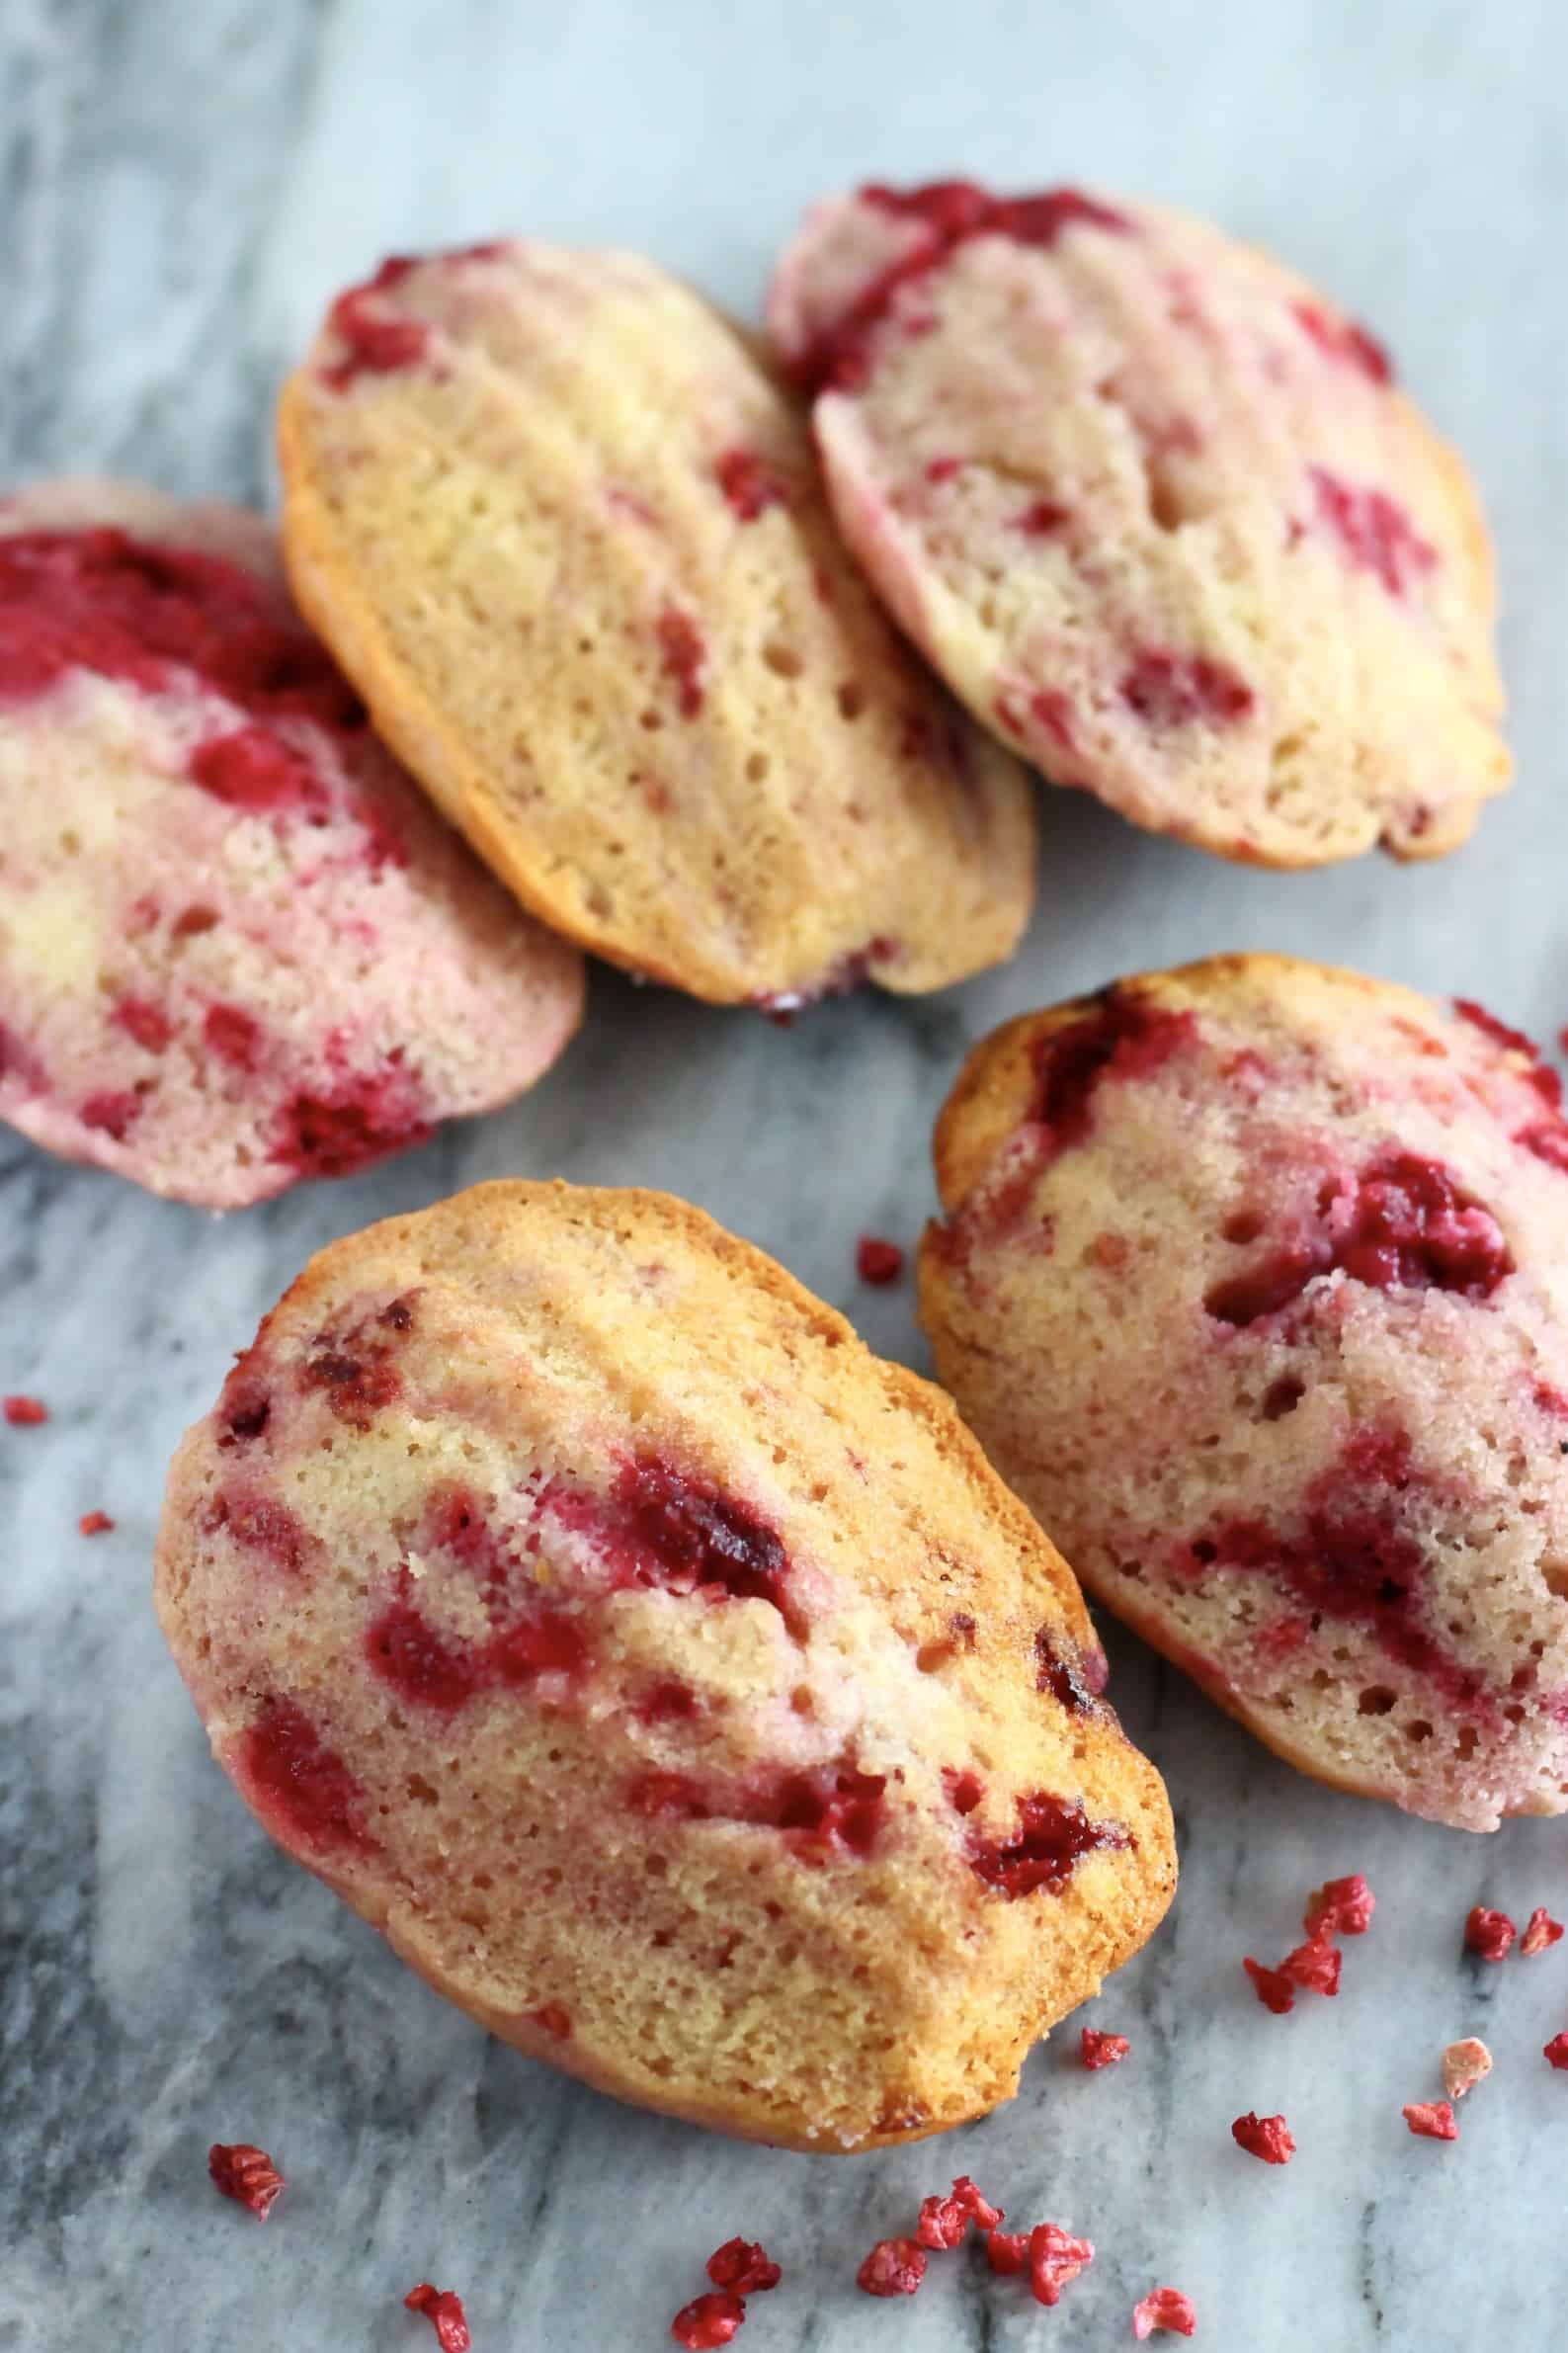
[1156, 511]
[1253, 1286]
[236, 946]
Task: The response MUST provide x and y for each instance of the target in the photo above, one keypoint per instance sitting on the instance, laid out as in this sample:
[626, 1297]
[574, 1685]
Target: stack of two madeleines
[679, 1686]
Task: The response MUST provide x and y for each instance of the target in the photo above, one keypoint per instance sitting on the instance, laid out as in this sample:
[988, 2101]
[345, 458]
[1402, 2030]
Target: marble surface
[182, 185]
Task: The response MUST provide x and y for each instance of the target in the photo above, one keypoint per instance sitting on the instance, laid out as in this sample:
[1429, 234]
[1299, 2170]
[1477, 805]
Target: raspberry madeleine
[1253, 1283]
[568, 538]
[670, 1679]
[215, 883]
[1157, 512]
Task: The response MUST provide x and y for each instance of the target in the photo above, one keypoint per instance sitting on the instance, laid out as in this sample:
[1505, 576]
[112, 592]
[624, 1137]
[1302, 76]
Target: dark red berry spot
[1489, 1933]
[24, 1414]
[1052, 1836]
[361, 1122]
[233, 1033]
[894, 2267]
[1040, 517]
[684, 1534]
[682, 653]
[1343, 1908]
[376, 342]
[443, 2309]
[1264, 2136]
[355, 1374]
[749, 485]
[300, 1788]
[877, 1261]
[707, 2321]
[1342, 340]
[147, 1022]
[112, 1115]
[246, 2174]
[1376, 533]
[1175, 690]
[253, 772]
[1122, 1037]
[964, 1787]
[951, 211]
[1103, 2051]
[1404, 1225]
[1432, 2120]
[1555, 2052]
[1062, 1669]
[945, 2221]
[553, 2020]
[1540, 1931]
[741, 2265]
[1272, 1987]
[407, 1652]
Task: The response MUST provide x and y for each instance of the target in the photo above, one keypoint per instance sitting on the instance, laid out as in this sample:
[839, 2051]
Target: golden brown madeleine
[668, 1677]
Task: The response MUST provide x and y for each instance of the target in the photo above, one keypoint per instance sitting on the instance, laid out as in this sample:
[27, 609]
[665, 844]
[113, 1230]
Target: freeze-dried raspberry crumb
[1431, 2119]
[1314, 1965]
[1271, 1986]
[24, 1413]
[246, 2174]
[1007, 2251]
[443, 2309]
[99, 1523]
[1555, 2052]
[1489, 1933]
[741, 2265]
[944, 2220]
[1055, 2258]
[1541, 1930]
[894, 2267]
[877, 1260]
[1267, 2137]
[1344, 1908]
[1103, 2051]
[707, 2321]
[1164, 2307]
[1463, 2066]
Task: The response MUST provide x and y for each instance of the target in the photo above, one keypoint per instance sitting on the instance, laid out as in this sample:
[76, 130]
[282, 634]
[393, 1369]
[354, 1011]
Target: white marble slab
[182, 185]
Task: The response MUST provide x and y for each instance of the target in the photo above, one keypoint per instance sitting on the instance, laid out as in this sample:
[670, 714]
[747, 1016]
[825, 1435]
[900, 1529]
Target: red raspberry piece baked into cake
[1254, 1283]
[567, 534]
[1156, 511]
[658, 1669]
[238, 948]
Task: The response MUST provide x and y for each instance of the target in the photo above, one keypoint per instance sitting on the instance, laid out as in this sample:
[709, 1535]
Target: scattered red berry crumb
[1007, 2251]
[1164, 2307]
[1055, 2258]
[740, 2264]
[443, 2309]
[943, 2221]
[877, 1261]
[1541, 1930]
[707, 2321]
[1103, 2051]
[1463, 2066]
[1344, 1908]
[99, 1523]
[1431, 2119]
[1267, 2137]
[1314, 1965]
[1555, 2052]
[24, 1413]
[1489, 1933]
[1271, 1986]
[245, 2174]
[894, 2267]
